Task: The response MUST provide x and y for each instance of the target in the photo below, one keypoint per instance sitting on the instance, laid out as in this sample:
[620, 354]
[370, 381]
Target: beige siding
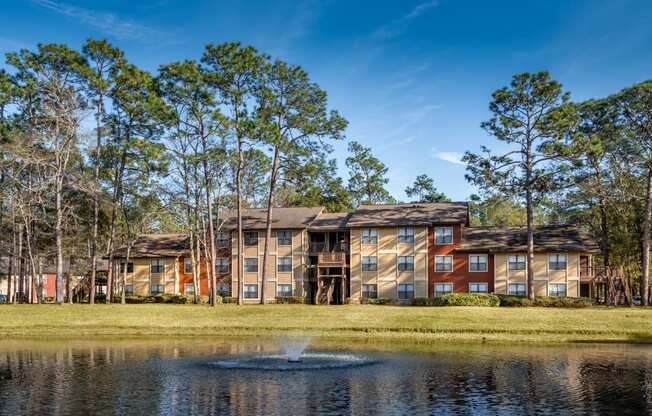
[420, 267]
[421, 289]
[540, 288]
[387, 290]
[387, 239]
[572, 289]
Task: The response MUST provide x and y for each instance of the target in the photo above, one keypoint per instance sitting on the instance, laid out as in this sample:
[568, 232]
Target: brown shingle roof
[551, 238]
[409, 214]
[157, 245]
[330, 221]
[282, 218]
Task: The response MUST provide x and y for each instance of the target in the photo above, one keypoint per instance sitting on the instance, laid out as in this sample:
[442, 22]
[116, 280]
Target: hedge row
[545, 301]
[489, 300]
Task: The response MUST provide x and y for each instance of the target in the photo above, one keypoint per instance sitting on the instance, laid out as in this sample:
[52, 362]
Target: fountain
[293, 358]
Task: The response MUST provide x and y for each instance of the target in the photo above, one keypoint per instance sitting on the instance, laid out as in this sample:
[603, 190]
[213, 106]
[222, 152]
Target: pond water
[180, 376]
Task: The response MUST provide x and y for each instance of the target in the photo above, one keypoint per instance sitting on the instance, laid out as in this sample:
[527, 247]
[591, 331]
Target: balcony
[334, 258]
[318, 248]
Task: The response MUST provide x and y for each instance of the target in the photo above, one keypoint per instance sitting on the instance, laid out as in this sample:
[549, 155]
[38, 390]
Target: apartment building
[397, 251]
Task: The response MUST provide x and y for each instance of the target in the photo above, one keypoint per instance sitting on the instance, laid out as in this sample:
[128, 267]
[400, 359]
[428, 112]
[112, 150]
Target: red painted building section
[460, 276]
[186, 278]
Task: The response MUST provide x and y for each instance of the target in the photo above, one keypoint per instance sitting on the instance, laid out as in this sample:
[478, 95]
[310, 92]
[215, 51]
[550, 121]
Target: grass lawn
[410, 324]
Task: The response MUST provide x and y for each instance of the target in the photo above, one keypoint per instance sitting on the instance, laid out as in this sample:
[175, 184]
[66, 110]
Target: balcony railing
[331, 257]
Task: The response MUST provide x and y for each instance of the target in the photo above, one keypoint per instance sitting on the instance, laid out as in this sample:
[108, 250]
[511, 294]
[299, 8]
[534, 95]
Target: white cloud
[106, 22]
[399, 25]
[450, 157]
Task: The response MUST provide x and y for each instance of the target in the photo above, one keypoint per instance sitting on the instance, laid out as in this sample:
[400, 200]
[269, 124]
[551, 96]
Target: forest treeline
[96, 151]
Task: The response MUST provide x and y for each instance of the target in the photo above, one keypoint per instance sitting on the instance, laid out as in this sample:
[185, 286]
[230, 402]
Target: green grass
[377, 323]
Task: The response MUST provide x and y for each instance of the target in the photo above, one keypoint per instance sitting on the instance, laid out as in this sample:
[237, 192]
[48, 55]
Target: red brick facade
[460, 277]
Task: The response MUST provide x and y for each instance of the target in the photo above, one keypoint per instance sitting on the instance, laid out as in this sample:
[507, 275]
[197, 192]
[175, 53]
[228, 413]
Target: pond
[206, 376]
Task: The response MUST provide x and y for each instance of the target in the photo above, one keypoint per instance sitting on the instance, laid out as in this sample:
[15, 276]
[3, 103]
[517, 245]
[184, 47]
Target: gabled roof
[330, 221]
[282, 218]
[409, 214]
[157, 245]
[549, 238]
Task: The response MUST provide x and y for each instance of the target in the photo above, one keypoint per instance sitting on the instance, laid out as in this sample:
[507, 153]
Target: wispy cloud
[108, 23]
[399, 25]
[450, 157]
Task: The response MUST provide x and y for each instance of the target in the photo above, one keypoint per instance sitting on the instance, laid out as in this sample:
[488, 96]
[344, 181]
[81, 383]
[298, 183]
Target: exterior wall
[461, 276]
[387, 277]
[186, 278]
[297, 251]
[142, 278]
[543, 277]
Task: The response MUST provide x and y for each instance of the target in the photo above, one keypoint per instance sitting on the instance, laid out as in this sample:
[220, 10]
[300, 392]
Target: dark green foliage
[466, 299]
[163, 298]
[290, 300]
[367, 176]
[379, 301]
[545, 301]
[424, 190]
[229, 299]
[421, 302]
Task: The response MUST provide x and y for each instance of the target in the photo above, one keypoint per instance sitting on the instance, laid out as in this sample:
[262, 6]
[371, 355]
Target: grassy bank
[472, 324]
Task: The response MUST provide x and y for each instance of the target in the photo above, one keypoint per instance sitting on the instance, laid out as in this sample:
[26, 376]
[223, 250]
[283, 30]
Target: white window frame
[278, 239]
[406, 234]
[442, 292]
[158, 285]
[398, 291]
[221, 292]
[222, 261]
[244, 291]
[444, 271]
[185, 289]
[509, 292]
[557, 256]
[129, 289]
[122, 265]
[244, 264]
[368, 285]
[374, 263]
[438, 231]
[187, 265]
[517, 257]
[486, 263]
[278, 264]
[278, 286]
[158, 263]
[478, 284]
[372, 235]
[409, 262]
[244, 237]
[557, 286]
[223, 239]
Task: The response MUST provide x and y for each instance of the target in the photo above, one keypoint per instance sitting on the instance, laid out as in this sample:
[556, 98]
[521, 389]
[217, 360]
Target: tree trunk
[238, 185]
[604, 231]
[645, 243]
[124, 274]
[96, 200]
[268, 228]
[117, 196]
[530, 244]
[58, 232]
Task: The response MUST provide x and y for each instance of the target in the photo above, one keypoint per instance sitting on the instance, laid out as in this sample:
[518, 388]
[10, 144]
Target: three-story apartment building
[398, 251]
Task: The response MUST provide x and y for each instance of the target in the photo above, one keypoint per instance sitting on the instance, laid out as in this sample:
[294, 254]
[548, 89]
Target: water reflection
[170, 377]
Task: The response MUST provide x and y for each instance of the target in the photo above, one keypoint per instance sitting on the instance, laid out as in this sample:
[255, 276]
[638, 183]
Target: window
[557, 262]
[284, 290]
[156, 289]
[442, 289]
[369, 236]
[405, 263]
[251, 238]
[369, 263]
[557, 289]
[187, 265]
[222, 264]
[443, 235]
[250, 291]
[443, 263]
[284, 238]
[406, 235]
[157, 266]
[188, 289]
[517, 262]
[223, 239]
[130, 267]
[478, 263]
[284, 264]
[516, 289]
[405, 291]
[223, 289]
[369, 291]
[478, 287]
[129, 289]
[251, 265]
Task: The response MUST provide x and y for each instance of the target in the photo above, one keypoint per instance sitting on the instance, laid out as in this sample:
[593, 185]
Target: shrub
[466, 299]
[379, 301]
[421, 302]
[545, 301]
[290, 299]
[229, 299]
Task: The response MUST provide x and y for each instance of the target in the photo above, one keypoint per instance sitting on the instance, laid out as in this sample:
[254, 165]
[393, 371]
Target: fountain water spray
[294, 348]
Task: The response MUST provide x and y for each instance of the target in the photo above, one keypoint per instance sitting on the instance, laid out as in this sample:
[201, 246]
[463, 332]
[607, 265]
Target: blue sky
[413, 78]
